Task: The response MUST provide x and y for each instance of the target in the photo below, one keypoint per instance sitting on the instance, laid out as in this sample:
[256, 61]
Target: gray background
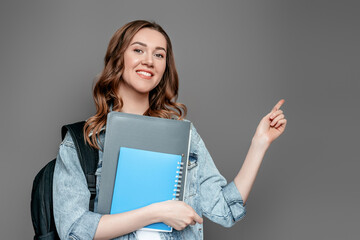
[235, 60]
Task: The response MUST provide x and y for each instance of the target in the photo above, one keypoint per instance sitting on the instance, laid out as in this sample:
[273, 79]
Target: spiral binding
[178, 180]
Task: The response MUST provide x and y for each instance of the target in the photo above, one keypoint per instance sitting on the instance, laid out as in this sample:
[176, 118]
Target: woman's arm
[114, 225]
[244, 180]
[174, 213]
[71, 196]
[214, 198]
[269, 128]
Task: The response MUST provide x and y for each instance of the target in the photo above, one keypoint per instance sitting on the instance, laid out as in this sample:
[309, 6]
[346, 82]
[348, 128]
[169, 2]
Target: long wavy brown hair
[162, 99]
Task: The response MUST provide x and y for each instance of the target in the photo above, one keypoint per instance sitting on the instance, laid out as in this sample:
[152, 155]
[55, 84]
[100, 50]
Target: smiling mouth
[144, 74]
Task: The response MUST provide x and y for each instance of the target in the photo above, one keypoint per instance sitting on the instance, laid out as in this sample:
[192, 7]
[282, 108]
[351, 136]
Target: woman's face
[144, 61]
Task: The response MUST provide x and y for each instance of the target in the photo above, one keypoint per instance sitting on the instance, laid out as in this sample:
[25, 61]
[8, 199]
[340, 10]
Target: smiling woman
[140, 77]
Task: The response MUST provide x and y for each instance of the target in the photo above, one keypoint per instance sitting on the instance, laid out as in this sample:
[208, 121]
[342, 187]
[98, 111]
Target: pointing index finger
[278, 105]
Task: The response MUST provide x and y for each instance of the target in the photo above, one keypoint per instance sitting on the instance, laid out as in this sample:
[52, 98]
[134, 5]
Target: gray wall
[235, 60]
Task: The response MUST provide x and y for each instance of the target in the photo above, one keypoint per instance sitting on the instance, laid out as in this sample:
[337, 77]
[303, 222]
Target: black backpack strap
[88, 156]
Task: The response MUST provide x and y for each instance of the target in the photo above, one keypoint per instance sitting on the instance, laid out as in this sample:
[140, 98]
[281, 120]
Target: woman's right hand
[177, 214]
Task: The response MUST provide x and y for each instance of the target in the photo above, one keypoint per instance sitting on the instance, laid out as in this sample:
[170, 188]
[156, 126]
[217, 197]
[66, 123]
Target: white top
[147, 235]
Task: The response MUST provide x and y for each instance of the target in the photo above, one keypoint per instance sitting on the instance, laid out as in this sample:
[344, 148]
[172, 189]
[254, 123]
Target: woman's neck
[133, 102]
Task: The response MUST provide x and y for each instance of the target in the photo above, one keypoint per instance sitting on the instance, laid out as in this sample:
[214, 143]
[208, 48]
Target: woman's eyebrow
[143, 44]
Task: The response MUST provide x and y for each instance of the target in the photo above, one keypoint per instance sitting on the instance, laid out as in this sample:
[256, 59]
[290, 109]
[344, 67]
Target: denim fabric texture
[206, 191]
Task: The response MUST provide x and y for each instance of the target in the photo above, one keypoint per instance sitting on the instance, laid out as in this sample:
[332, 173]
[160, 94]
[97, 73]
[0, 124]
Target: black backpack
[41, 194]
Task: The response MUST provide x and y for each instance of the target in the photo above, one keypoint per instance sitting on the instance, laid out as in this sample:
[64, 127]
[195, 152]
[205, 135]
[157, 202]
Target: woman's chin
[143, 91]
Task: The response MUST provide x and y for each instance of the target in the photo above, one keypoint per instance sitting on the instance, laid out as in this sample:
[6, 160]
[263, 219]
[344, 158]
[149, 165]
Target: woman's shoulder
[67, 141]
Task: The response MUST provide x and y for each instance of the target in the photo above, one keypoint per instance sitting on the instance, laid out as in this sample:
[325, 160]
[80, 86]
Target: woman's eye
[159, 55]
[138, 50]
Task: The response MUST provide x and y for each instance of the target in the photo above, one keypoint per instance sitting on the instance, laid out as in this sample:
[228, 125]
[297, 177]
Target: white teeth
[145, 73]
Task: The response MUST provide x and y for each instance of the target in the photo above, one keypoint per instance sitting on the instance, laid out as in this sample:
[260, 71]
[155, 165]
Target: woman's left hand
[271, 126]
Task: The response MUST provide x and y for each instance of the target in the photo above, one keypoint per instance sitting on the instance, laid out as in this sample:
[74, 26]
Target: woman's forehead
[149, 37]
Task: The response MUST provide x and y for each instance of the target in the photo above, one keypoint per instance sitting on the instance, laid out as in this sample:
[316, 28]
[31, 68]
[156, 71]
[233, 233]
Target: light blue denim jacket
[207, 192]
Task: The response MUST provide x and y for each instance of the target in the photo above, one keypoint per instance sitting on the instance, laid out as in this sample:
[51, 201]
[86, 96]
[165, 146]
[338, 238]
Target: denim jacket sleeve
[71, 196]
[220, 202]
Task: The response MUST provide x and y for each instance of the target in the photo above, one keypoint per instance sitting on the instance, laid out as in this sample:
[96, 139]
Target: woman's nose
[148, 60]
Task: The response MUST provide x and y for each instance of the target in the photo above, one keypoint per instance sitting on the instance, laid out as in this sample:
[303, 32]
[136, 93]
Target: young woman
[140, 77]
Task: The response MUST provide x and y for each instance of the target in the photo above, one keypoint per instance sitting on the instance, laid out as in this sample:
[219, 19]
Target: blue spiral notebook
[145, 177]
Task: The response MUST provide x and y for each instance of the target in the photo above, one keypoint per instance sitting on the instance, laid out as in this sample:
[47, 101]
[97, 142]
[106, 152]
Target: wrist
[155, 210]
[260, 143]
